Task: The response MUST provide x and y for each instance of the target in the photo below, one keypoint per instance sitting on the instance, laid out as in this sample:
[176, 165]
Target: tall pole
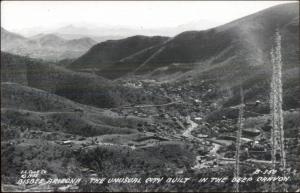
[273, 116]
[280, 111]
[279, 85]
[277, 140]
[238, 139]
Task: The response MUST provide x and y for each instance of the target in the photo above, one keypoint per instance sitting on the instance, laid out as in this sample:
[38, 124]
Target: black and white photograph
[150, 96]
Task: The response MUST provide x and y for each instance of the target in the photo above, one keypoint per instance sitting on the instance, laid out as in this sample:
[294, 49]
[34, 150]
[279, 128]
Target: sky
[16, 15]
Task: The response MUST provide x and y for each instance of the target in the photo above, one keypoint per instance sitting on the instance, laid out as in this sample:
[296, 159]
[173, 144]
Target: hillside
[42, 127]
[246, 41]
[36, 109]
[237, 53]
[249, 65]
[249, 39]
[80, 87]
[106, 53]
[44, 46]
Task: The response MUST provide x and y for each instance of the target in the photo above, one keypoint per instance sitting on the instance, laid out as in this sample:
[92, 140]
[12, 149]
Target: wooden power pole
[238, 139]
[277, 133]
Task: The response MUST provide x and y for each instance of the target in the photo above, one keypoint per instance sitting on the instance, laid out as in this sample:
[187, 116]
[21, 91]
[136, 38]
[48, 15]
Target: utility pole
[277, 133]
[238, 139]
[273, 117]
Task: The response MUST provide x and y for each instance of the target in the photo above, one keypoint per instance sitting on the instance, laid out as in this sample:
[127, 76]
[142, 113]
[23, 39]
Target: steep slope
[248, 63]
[44, 46]
[246, 41]
[80, 87]
[73, 85]
[228, 56]
[106, 53]
[66, 122]
[14, 68]
[237, 53]
[15, 95]
[37, 109]
[128, 64]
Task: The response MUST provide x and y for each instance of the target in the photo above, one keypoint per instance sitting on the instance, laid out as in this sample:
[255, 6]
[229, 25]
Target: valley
[173, 138]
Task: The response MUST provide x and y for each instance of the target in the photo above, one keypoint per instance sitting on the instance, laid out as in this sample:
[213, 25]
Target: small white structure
[68, 142]
[202, 136]
[198, 118]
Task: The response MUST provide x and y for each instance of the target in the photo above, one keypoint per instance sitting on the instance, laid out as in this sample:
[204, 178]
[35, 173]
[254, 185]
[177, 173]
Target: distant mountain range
[103, 32]
[44, 46]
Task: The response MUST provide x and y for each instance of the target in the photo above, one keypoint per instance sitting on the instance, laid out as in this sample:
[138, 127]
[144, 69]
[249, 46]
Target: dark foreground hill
[54, 79]
[81, 87]
[45, 121]
[24, 106]
[41, 128]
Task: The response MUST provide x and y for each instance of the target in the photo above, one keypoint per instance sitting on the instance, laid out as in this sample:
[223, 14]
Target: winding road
[212, 152]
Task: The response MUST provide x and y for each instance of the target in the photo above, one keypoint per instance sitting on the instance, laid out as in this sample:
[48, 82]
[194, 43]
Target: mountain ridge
[44, 46]
[108, 52]
[246, 40]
